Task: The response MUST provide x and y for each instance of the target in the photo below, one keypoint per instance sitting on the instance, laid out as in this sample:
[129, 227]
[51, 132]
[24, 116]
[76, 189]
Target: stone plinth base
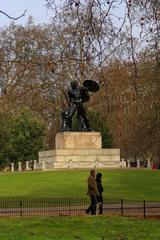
[86, 158]
[78, 140]
[79, 150]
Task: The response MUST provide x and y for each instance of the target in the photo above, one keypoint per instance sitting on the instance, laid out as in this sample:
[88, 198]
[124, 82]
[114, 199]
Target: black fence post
[69, 207]
[20, 204]
[121, 207]
[144, 209]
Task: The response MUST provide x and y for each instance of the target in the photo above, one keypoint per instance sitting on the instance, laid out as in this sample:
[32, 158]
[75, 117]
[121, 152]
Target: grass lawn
[128, 184]
[82, 228]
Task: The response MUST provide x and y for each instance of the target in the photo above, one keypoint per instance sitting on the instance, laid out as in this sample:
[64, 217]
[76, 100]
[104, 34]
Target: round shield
[91, 85]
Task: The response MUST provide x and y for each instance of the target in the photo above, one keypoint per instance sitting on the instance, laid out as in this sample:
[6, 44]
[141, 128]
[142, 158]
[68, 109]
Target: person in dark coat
[92, 192]
[100, 190]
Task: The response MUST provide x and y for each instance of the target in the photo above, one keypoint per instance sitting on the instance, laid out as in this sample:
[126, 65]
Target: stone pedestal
[27, 166]
[148, 163]
[79, 150]
[78, 140]
[34, 164]
[138, 163]
[19, 166]
[12, 167]
[123, 163]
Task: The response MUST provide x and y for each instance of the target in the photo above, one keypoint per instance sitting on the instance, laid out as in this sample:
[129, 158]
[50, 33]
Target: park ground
[82, 228]
[130, 184]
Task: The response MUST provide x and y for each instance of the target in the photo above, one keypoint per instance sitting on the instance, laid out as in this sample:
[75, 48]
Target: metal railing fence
[73, 207]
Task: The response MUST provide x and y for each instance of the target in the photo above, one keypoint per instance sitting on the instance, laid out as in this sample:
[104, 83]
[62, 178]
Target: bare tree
[89, 39]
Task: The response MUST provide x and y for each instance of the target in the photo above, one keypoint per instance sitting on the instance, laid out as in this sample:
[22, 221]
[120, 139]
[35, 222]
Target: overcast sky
[14, 8]
[36, 9]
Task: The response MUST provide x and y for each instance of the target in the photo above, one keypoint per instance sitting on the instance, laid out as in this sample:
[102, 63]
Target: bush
[23, 139]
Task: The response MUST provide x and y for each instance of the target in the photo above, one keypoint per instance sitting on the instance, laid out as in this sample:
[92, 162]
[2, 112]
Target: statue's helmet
[74, 84]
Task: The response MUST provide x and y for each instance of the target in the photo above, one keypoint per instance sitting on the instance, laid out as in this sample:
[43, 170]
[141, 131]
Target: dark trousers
[92, 208]
[100, 207]
[100, 203]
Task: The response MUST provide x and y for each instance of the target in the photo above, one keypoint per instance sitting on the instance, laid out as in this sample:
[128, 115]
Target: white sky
[14, 8]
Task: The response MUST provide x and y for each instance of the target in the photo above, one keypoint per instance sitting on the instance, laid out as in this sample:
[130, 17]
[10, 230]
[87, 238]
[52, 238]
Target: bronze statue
[77, 96]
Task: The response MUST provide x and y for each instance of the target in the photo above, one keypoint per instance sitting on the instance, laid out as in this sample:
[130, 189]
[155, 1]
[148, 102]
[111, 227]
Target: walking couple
[95, 190]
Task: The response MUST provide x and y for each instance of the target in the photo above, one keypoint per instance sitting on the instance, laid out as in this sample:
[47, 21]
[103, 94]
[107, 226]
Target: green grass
[129, 184]
[82, 228]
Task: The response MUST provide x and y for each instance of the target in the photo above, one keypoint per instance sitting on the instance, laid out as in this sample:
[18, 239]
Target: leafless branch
[13, 18]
